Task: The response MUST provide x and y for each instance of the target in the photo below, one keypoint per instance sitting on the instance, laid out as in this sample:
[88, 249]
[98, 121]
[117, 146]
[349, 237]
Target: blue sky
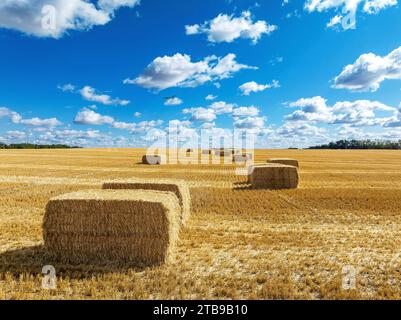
[117, 73]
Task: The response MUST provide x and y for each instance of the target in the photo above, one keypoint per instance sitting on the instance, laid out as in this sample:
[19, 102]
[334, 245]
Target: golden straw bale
[178, 187]
[206, 151]
[152, 159]
[107, 226]
[285, 161]
[274, 176]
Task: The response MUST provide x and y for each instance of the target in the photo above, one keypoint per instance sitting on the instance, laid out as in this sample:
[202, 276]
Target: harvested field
[239, 243]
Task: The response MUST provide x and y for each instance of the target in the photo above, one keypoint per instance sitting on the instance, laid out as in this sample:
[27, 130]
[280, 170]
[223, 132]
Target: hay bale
[274, 176]
[207, 152]
[112, 226]
[238, 158]
[223, 153]
[285, 161]
[179, 188]
[190, 150]
[152, 159]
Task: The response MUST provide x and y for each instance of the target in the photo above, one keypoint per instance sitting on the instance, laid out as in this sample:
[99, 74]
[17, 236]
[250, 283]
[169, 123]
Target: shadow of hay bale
[31, 260]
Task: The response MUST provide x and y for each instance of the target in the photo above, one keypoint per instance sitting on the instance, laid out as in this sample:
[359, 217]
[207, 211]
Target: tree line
[361, 144]
[34, 146]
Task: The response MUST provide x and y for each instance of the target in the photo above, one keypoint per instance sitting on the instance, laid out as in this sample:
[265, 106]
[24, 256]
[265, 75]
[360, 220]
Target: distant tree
[361, 144]
[35, 146]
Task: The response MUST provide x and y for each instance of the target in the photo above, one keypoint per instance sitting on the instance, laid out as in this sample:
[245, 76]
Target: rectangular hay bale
[103, 226]
[274, 176]
[179, 188]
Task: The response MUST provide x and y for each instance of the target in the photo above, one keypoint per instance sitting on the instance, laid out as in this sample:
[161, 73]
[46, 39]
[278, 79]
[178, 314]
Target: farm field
[239, 244]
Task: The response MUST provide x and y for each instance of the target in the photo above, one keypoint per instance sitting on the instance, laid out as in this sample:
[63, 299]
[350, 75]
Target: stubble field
[240, 243]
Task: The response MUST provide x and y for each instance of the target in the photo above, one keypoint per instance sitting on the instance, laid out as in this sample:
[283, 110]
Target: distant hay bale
[206, 151]
[190, 150]
[105, 226]
[223, 153]
[152, 159]
[274, 176]
[285, 161]
[179, 188]
[238, 158]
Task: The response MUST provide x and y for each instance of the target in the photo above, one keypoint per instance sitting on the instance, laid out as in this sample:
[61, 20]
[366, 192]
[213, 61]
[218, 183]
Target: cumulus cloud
[356, 113]
[16, 118]
[347, 7]
[90, 117]
[227, 28]
[201, 114]
[90, 94]
[179, 71]
[141, 127]
[249, 87]
[249, 123]
[246, 112]
[221, 107]
[173, 101]
[369, 71]
[54, 18]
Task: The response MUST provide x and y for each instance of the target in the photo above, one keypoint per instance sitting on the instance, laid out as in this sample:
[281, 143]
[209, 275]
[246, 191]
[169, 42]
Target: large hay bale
[152, 159]
[112, 226]
[178, 187]
[274, 176]
[206, 151]
[285, 161]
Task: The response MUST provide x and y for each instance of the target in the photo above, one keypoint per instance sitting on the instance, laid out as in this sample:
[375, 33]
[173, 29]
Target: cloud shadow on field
[31, 260]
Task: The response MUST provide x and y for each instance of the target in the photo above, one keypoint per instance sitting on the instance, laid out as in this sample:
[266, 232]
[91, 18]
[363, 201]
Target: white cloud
[67, 87]
[356, 113]
[53, 122]
[249, 87]
[221, 107]
[335, 21]
[246, 112]
[173, 101]
[249, 123]
[201, 114]
[15, 135]
[90, 94]
[179, 71]
[300, 129]
[369, 71]
[348, 7]
[90, 117]
[32, 17]
[225, 28]
[16, 118]
[141, 127]
[137, 114]
[12, 115]
[210, 97]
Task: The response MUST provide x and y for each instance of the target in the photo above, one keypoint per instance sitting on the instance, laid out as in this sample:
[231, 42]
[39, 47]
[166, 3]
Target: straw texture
[102, 226]
[178, 187]
[274, 176]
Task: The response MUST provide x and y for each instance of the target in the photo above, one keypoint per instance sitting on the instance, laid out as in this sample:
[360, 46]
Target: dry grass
[285, 161]
[112, 226]
[240, 243]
